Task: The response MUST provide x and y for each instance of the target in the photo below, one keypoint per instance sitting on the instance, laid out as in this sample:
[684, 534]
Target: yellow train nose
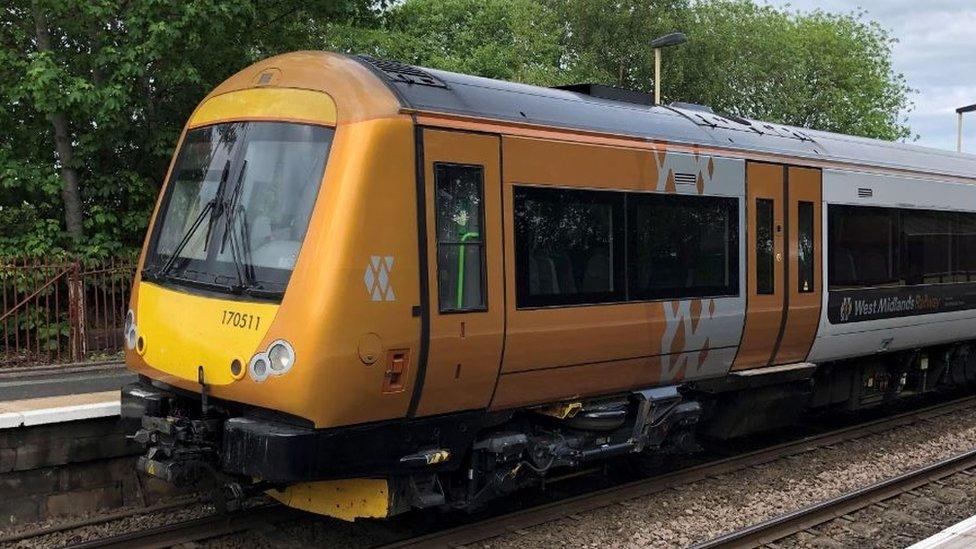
[179, 332]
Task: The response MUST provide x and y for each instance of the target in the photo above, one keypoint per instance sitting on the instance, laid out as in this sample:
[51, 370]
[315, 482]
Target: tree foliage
[120, 78]
[825, 71]
[820, 70]
[123, 77]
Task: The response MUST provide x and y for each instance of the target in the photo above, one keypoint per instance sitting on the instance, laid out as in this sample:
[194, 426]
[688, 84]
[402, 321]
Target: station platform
[958, 536]
[57, 380]
[60, 393]
[58, 409]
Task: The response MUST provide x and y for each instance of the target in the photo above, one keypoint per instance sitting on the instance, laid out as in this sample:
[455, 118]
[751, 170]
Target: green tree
[608, 42]
[97, 92]
[514, 40]
[826, 71]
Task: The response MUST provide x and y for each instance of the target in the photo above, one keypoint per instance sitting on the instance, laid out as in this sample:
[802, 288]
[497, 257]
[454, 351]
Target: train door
[462, 193]
[804, 284]
[783, 265]
[765, 295]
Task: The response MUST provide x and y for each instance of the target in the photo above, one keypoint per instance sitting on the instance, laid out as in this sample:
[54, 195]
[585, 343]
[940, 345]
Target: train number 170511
[244, 321]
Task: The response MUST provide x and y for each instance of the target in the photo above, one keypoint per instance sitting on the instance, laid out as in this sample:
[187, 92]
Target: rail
[194, 530]
[794, 522]
[267, 516]
[471, 534]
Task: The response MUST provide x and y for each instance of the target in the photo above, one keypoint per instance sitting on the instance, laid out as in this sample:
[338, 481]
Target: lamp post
[668, 40]
[961, 111]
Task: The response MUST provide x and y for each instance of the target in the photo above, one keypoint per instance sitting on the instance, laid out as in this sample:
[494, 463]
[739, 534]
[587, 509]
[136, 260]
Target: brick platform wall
[70, 469]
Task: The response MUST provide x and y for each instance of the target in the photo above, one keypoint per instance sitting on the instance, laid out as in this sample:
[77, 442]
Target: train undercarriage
[461, 461]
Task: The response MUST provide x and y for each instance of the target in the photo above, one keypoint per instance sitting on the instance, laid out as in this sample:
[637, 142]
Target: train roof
[436, 91]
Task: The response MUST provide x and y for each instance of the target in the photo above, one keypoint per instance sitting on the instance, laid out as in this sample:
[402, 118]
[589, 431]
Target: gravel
[315, 531]
[685, 514]
[900, 521]
[140, 521]
[702, 510]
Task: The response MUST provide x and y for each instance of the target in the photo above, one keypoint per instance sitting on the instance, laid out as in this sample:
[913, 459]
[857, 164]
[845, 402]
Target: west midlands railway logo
[846, 307]
[377, 278]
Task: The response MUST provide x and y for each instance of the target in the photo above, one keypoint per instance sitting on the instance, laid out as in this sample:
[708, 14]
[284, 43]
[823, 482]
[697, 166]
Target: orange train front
[370, 287]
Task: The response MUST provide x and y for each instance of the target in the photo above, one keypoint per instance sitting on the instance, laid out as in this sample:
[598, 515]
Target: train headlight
[278, 359]
[281, 356]
[259, 367]
[129, 330]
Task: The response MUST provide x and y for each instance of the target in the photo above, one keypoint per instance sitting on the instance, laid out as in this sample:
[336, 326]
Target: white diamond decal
[377, 278]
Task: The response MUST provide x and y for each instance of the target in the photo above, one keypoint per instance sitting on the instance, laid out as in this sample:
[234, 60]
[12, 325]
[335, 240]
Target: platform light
[666, 41]
[961, 111]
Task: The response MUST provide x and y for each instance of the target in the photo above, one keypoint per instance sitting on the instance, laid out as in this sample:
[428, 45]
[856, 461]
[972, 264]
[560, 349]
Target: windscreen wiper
[245, 244]
[209, 207]
[237, 249]
[252, 288]
[185, 240]
[224, 288]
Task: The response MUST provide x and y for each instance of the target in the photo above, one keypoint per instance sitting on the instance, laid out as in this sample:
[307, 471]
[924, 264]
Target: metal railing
[62, 311]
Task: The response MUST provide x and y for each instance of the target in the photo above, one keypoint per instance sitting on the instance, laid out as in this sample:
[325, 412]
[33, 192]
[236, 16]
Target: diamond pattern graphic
[377, 278]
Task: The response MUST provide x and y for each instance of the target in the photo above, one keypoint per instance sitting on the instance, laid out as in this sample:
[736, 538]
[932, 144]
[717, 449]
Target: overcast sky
[937, 54]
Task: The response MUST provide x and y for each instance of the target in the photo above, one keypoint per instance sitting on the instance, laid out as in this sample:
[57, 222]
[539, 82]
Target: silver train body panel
[840, 341]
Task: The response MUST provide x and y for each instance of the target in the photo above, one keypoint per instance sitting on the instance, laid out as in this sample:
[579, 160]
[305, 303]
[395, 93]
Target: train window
[682, 246]
[964, 248]
[568, 246]
[863, 245]
[460, 237]
[925, 244]
[805, 238]
[872, 246]
[764, 247]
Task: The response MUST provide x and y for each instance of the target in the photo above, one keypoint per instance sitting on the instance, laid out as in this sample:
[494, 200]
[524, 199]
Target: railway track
[794, 522]
[264, 517]
[195, 530]
[479, 531]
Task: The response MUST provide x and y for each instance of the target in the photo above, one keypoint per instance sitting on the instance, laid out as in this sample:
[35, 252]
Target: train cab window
[568, 246]
[682, 246]
[764, 247]
[238, 205]
[805, 238]
[459, 199]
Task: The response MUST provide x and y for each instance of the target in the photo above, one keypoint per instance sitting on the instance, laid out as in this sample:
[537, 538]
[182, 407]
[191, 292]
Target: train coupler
[180, 451]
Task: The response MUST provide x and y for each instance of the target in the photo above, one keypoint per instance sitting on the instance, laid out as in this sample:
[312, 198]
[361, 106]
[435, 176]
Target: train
[369, 287]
